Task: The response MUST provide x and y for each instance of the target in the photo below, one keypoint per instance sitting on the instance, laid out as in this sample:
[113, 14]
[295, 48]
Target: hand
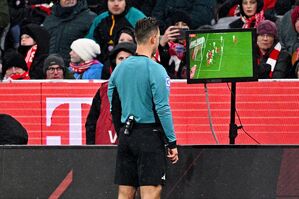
[173, 155]
[170, 34]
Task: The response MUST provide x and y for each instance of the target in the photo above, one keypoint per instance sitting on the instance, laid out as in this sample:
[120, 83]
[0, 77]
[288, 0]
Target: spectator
[230, 8]
[272, 61]
[201, 11]
[120, 14]
[20, 15]
[295, 24]
[295, 46]
[4, 15]
[283, 6]
[54, 67]
[145, 6]
[296, 68]
[84, 64]
[98, 121]
[70, 20]
[125, 34]
[12, 131]
[35, 48]
[121, 52]
[4, 26]
[172, 48]
[251, 14]
[96, 6]
[287, 33]
[14, 66]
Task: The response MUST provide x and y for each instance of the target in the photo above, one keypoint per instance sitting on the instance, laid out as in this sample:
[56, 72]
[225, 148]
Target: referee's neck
[144, 50]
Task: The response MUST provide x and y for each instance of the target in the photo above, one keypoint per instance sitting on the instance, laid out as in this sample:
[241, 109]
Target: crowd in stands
[73, 39]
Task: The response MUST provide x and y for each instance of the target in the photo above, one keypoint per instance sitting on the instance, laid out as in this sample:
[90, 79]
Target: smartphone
[182, 34]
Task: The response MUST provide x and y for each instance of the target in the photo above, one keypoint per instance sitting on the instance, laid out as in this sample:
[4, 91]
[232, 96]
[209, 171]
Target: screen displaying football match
[221, 55]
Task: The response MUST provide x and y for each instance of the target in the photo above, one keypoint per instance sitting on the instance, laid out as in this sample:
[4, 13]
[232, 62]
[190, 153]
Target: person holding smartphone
[172, 47]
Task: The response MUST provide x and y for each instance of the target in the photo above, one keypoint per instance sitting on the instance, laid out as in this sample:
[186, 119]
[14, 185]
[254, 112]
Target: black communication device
[129, 125]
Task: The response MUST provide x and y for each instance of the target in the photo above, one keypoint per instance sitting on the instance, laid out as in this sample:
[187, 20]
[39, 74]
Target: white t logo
[75, 117]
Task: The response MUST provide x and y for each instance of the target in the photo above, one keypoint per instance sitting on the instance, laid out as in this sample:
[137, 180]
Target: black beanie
[13, 58]
[124, 46]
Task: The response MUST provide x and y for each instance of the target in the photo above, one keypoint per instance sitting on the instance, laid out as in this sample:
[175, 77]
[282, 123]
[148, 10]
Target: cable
[242, 128]
[209, 114]
[241, 125]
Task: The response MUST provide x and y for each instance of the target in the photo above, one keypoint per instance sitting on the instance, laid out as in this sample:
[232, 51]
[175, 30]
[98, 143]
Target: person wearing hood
[104, 27]
[69, 20]
[14, 66]
[172, 48]
[35, 48]
[125, 34]
[251, 14]
[98, 121]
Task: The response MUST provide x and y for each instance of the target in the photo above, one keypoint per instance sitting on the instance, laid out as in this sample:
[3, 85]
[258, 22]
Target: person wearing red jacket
[99, 126]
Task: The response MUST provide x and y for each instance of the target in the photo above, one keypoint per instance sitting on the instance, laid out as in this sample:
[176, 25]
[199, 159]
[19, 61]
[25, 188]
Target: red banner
[54, 113]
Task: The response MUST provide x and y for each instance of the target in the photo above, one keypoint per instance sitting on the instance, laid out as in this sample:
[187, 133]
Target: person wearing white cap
[84, 64]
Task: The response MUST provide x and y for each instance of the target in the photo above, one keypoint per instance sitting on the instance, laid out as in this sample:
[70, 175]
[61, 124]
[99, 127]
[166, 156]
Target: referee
[138, 92]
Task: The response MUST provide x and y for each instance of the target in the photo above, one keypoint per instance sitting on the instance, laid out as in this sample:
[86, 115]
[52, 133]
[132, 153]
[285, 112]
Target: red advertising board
[54, 113]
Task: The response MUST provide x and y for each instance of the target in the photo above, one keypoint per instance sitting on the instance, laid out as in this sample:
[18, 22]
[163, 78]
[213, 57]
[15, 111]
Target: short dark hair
[145, 27]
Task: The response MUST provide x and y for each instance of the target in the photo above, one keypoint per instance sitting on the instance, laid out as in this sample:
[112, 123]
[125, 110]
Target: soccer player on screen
[235, 39]
[192, 71]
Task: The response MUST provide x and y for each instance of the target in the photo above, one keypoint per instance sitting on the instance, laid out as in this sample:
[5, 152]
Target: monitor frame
[254, 76]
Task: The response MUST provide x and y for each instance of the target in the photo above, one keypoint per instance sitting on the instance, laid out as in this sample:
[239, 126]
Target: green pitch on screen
[221, 55]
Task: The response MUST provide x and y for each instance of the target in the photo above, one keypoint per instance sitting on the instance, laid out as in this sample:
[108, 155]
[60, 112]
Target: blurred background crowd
[76, 39]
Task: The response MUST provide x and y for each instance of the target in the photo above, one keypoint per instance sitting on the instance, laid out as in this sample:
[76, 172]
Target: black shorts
[141, 157]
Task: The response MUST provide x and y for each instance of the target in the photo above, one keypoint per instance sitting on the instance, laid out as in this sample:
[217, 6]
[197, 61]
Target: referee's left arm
[160, 86]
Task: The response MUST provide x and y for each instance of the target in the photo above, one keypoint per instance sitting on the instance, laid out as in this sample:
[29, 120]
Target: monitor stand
[233, 128]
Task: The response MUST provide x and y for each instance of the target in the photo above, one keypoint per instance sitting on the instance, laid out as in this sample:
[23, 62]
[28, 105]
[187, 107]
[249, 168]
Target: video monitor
[221, 55]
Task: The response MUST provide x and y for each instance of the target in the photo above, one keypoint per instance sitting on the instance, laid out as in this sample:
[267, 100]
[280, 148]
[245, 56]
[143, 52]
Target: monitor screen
[221, 55]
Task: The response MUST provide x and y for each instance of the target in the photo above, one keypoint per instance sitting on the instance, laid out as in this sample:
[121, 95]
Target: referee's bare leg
[126, 192]
[150, 192]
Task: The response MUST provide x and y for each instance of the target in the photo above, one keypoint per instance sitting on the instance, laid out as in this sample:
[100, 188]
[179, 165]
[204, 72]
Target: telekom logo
[75, 118]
